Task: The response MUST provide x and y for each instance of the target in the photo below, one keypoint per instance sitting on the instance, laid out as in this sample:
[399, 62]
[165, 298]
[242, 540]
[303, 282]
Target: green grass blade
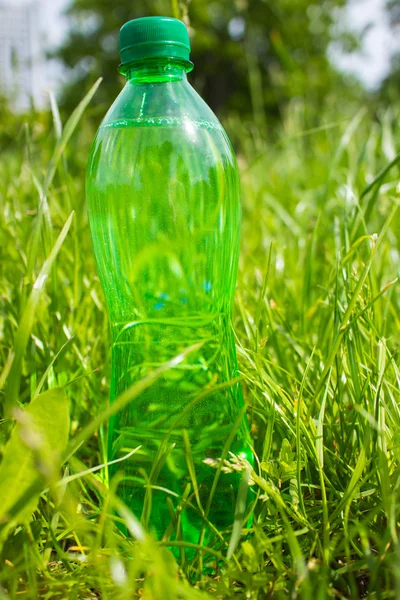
[28, 318]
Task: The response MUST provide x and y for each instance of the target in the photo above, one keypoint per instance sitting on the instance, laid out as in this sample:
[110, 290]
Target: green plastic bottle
[164, 211]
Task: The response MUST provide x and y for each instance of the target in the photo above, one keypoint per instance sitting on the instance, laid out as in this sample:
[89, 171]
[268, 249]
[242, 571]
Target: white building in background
[22, 57]
[28, 29]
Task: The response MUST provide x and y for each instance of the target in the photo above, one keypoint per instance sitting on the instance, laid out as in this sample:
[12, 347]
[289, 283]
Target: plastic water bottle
[164, 211]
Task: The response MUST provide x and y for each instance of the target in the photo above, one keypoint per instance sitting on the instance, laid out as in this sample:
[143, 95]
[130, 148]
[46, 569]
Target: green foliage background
[281, 54]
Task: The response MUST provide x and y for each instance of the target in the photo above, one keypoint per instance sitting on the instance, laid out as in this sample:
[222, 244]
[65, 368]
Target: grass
[317, 329]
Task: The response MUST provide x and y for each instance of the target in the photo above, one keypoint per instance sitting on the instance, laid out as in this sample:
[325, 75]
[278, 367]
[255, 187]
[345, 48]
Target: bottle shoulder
[154, 100]
[174, 104]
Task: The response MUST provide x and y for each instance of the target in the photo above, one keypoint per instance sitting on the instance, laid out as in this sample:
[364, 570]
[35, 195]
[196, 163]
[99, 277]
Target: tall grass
[317, 329]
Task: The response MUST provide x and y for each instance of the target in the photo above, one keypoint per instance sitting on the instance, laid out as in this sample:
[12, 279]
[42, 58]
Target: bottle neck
[157, 71]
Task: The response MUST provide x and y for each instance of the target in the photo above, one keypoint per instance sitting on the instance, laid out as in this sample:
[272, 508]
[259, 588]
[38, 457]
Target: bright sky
[52, 16]
[371, 64]
[379, 43]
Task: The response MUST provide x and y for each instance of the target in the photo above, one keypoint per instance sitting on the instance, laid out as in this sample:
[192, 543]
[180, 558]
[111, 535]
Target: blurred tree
[394, 12]
[251, 56]
[390, 89]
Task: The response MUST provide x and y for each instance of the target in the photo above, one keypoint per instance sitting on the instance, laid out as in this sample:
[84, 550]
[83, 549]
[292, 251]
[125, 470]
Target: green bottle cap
[152, 37]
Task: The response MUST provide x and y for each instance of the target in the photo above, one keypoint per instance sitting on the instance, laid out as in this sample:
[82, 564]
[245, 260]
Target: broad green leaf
[285, 467]
[32, 453]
